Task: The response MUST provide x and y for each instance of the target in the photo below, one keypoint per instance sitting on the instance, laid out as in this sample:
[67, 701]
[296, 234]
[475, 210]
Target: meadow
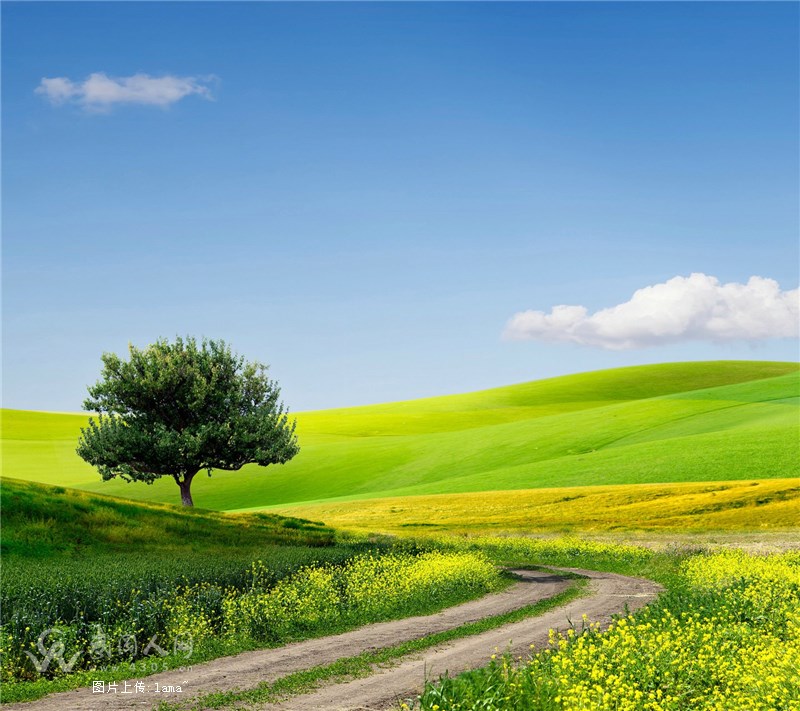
[724, 635]
[109, 577]
[658, 424]
[690, 447]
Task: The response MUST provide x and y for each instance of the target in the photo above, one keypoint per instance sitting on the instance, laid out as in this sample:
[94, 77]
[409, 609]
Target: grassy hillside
[678, 422]
[40, 521]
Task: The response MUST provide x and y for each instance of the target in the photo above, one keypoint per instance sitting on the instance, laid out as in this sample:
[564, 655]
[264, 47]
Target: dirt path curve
[247, 670]
[383, 690]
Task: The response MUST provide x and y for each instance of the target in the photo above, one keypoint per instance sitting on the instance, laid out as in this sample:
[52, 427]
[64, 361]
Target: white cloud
[690, 308]
[99, 92]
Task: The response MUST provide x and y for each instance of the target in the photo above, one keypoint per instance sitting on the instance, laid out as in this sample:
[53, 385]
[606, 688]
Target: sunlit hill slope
[677, 422]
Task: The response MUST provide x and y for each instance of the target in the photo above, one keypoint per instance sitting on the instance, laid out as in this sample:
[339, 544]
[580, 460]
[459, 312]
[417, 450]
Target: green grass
[42, 522]
[678, 422]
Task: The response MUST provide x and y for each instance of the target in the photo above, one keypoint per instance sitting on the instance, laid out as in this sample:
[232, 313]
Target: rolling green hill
[676, 422]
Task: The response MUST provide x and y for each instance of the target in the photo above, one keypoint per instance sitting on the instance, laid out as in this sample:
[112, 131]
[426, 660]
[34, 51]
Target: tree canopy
[174, 409]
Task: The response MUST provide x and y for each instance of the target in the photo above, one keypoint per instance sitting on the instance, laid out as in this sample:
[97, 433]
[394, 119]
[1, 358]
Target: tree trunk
[186, 494]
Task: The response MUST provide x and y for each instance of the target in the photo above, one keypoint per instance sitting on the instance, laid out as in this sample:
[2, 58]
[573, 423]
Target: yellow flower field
[753, 505]
[726, 638]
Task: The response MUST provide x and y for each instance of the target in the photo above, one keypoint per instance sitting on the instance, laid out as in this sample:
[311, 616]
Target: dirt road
[383, 690]
[609, 594]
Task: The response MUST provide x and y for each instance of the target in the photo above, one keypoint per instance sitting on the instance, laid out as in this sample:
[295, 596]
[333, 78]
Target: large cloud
[100, 92]
[697, 307]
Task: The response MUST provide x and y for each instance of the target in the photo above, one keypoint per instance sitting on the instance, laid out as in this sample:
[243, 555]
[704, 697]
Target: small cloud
[693, 308]
[100, 92]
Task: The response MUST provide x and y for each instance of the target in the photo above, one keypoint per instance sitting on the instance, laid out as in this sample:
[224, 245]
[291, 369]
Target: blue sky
[368, 193]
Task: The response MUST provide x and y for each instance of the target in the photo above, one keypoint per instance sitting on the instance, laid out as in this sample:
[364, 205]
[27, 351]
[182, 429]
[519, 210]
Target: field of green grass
[675, 422]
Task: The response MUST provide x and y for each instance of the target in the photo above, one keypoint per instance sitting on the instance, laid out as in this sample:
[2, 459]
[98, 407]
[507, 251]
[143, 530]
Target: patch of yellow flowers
[366, 588]
[726, 639]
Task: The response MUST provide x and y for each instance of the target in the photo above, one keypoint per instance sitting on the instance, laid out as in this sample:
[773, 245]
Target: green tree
[175, 409]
